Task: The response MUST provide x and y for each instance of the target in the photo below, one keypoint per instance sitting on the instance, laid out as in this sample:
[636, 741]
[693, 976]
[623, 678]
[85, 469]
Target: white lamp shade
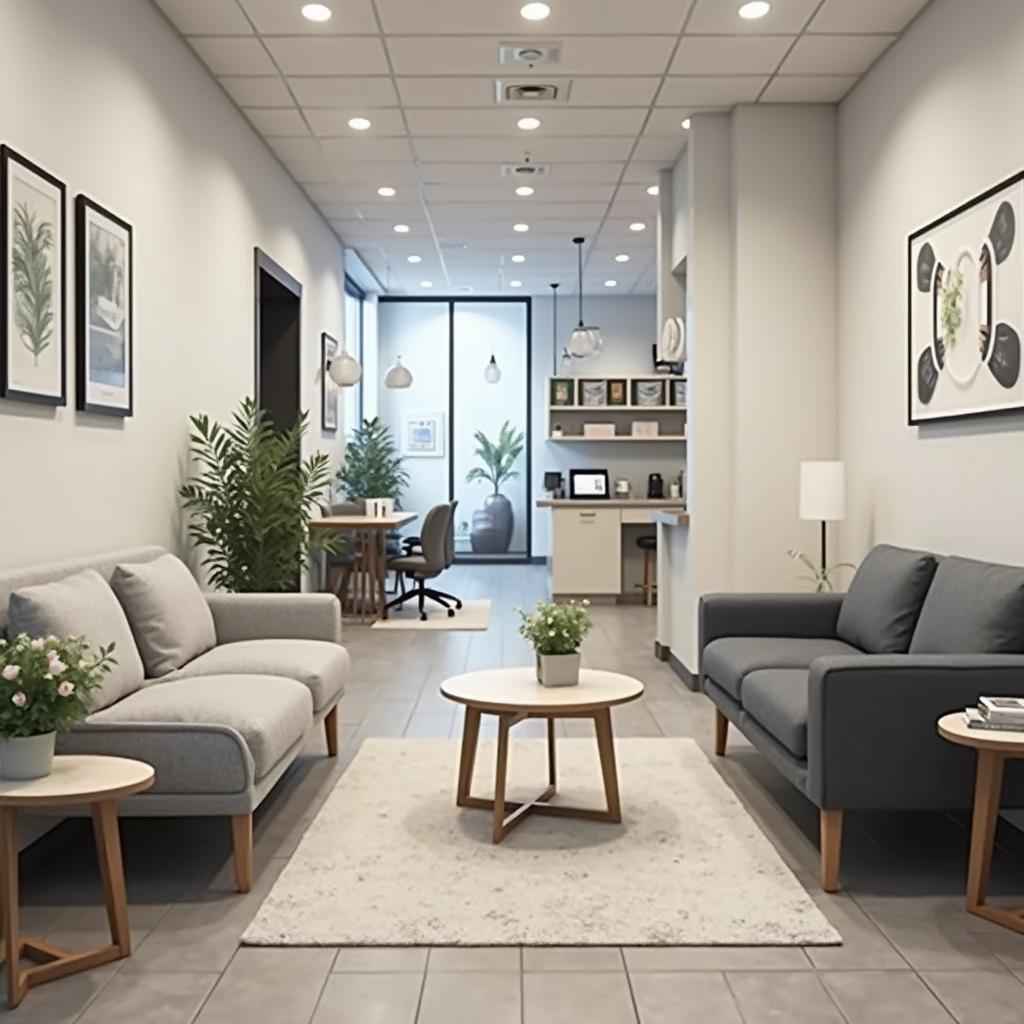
[585, 341]
[398, 376]
[344, 370]
[492, 372]
[822, 490]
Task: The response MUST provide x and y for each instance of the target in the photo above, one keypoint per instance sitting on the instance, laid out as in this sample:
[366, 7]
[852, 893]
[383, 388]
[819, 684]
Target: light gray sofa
[220, 728]
[841, 692]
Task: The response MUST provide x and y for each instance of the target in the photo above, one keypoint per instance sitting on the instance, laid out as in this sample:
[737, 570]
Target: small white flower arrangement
[556, 628]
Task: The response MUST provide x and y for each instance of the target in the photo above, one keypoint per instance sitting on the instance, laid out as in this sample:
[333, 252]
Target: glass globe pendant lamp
[345, 370]
[492, 373]
[585, 340]
[398, 376]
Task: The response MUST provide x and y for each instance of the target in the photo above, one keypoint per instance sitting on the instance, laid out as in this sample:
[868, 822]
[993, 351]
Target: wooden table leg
[470, 735]
[987, 789]
[501, 778]
[108, 852]
[12, 938]
[380, 550]
[552, 767]
[606, 750]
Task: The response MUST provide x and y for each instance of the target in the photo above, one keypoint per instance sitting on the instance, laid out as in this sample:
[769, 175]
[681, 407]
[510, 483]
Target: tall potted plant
[251, 498]
[493, 524]
[372, 468]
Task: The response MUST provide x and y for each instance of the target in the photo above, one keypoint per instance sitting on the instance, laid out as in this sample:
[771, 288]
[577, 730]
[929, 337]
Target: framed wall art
[423, 435]
[965, 298]
[103, 285]
[32, 240]
[329, 348]
[562, 391]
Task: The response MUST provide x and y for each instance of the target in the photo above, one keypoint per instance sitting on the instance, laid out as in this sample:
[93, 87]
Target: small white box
[598, 429]
[645, 428]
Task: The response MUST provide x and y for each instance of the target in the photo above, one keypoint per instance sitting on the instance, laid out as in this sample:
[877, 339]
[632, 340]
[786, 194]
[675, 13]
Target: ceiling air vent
[529, 54]
[524, 170]
[506, 91]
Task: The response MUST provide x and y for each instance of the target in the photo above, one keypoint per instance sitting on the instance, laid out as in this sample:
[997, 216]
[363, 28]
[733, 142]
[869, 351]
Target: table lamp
[822, 495]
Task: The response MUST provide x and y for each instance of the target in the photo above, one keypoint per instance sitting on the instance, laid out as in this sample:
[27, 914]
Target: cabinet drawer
[586, 551]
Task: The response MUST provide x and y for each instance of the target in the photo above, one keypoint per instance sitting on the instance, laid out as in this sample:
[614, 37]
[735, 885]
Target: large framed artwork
[965, 291]
[329, 348]
[423, 435]
[104, 286]
[32, 239]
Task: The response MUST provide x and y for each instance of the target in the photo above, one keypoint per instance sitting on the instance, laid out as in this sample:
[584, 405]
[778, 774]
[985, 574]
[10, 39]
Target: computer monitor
[588, 484]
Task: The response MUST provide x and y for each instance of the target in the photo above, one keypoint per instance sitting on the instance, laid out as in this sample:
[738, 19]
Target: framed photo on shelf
[329, 348]
[32, 289]
[593, 393]
[679, 393]
[563, 391]
[648, 392]
[103, 292]
[423, 435]
[617, 393]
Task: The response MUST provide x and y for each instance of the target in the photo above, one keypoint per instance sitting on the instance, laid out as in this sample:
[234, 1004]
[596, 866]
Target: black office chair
[412, 544]
[429, 562]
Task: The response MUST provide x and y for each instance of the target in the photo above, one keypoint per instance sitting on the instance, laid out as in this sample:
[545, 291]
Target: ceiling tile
[376, 150]
[730, 55]
[257, 90]
[226, 55]
[554, 122]
[386, 214]
[668, 120]
[522, 209]
[664, 148]
[496, 192]
[490, 171]
[507, 150]
[865, 15]
[834, 55]
[328, 55]
[808, 88]
[289, 150]
[721, 16]
[206, 17]
[279, 123]
[613, 91]
[310, 173]
[710, 91]
[274, 17]
[375, 172]
[446, 92]
[642, 173]
[387, 121]
[340, 91]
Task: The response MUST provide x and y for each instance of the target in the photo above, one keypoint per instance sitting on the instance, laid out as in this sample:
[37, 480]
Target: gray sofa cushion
[881, 607]
[82, 604]
[972, 608]
[728, 659]
[270, 713]
[166, 609]
[321, 666]
[777, 700]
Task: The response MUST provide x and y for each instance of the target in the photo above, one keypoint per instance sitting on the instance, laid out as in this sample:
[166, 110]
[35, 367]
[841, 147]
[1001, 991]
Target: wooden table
[514, 695]
[993, 749]
[98, 781]
[370, 534]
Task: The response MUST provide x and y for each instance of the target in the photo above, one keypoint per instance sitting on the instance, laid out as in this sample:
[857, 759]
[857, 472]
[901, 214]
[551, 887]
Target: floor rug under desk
[473, 615]
[390, 860]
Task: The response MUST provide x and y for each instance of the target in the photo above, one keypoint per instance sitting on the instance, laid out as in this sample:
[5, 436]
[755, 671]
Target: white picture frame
[423, 436]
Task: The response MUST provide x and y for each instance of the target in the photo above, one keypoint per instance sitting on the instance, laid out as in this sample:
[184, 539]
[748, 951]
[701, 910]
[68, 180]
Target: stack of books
[997, 713]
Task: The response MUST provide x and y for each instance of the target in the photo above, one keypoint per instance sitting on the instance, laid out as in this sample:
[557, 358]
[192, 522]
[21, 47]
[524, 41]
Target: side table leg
[606, 750]
[988, 786]
[500, 778]
[108, 853]
[12, 939]
[470, 735]
[552, 766]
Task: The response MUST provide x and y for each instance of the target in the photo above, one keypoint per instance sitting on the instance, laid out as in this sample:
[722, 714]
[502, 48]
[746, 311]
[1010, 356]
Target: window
[352, 398]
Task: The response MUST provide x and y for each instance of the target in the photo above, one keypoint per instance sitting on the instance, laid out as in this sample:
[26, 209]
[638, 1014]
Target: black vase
[492, 528]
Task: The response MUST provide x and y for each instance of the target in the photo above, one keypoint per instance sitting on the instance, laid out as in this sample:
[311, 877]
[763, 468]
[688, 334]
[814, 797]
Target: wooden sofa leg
[241, 835]
[721, 732]
[831, 828]
[331, 731]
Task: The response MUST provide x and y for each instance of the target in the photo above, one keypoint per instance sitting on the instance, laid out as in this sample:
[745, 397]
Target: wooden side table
[993, 749]
[99, 782]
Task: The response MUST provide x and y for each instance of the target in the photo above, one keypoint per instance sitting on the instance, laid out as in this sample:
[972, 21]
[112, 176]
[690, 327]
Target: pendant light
[584, 341]
[398, 376]
[492, 374]
[344, 370]
[554, 329]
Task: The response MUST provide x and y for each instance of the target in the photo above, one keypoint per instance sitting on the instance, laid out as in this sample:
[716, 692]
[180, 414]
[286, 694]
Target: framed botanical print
[562, 391]
[329, 348]
[617, 393]
[32, 240]
[104, 286]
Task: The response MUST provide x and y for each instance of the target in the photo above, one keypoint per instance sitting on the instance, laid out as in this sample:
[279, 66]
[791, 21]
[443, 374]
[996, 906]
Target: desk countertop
[672, 503]
[671, 516]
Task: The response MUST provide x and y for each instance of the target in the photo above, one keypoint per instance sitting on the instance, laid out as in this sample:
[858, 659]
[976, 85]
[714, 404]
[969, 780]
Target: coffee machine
[554, 484]
[655, 486]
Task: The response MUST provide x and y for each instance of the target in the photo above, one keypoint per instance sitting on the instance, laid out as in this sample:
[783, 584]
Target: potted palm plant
[556, 632]
[493, 524]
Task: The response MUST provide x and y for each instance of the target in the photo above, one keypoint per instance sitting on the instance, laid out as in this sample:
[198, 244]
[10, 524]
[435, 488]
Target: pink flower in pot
[19, 700]
[66, 688]
[11, 672]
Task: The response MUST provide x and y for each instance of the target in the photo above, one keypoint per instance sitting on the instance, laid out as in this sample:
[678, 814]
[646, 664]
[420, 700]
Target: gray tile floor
[910, 952]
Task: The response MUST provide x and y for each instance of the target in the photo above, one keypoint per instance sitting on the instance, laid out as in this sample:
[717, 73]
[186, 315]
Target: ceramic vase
[27, 757]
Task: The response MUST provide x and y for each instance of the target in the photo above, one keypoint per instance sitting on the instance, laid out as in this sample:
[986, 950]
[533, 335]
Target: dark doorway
[278, 341]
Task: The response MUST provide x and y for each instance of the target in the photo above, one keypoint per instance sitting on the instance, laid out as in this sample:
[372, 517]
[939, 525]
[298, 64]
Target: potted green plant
[372, 468]
[251, 498]
[45, 686]
[493, 524]
[556, 632]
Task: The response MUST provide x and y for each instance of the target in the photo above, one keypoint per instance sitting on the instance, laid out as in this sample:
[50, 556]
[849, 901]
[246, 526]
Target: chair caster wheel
[423, 616]
[458, 604]
[451, 613]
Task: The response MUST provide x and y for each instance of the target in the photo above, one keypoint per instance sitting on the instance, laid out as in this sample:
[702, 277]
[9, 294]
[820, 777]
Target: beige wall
[107, 97]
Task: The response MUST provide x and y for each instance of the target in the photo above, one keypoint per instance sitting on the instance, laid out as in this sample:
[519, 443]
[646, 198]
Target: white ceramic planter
[27, 757]
[558, 669]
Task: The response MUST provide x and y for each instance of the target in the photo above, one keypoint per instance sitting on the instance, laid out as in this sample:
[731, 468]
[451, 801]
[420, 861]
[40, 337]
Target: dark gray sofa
[841, 692]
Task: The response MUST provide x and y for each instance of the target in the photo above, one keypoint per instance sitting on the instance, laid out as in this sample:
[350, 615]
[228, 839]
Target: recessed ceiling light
[755, 9]
[622, 258]
[528, 124]
[524, 190]
[518, 258]
[685, 124]
[637, 226]
[316, 12]
[386, 191]
[515, 284]
[359, 123]
[520, 227]
[535, 12]
[413, 259]
[402, 229]
[610, 283]
[653, 190]
[426, 284]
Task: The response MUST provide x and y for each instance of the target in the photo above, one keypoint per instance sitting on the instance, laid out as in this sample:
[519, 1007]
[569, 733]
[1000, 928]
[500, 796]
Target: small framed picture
[617, 393]
[679, 393]
[563, 391]
[648, 392]
[593, 392]
[423, 435]
[32, 236]
[103, 291]
[329, 348]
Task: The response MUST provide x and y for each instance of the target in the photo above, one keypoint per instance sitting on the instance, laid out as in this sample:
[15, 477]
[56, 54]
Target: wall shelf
[573, 439]
[617, 408]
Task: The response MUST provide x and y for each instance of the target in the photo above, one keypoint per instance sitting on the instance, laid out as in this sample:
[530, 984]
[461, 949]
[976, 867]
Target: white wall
[935, 122]
[107, 97]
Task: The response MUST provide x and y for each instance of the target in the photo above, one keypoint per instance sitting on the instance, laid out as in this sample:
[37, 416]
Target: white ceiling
[424, 71]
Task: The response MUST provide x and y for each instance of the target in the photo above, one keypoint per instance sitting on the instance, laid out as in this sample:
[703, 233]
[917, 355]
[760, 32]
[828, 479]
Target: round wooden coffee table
[77, 779]
[514, 695]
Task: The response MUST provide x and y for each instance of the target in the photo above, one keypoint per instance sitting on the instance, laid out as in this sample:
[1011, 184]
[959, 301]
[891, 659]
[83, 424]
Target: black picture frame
[86, 401]
[8, 389]
[562, 386]
[330, 348]
[618, 392]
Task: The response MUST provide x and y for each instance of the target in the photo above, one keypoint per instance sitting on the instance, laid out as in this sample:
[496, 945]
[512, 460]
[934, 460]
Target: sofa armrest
[275, 617]
[800, 615]
[871, 736]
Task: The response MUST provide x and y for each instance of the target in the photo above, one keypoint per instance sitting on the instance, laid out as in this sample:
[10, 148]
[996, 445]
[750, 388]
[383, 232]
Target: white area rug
[390, 860]
[473, 615]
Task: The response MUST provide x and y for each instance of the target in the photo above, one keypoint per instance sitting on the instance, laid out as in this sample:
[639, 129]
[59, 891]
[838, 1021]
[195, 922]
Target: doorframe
[269, 266]
[451, 302]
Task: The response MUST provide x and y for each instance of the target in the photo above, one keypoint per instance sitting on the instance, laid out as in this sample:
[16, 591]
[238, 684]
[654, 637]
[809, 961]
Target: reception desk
[586, 541]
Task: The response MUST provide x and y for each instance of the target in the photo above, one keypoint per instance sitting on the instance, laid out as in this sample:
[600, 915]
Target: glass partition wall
[463, 426]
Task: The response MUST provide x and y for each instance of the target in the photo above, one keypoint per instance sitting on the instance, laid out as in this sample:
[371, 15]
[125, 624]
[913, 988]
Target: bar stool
[649, 546]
